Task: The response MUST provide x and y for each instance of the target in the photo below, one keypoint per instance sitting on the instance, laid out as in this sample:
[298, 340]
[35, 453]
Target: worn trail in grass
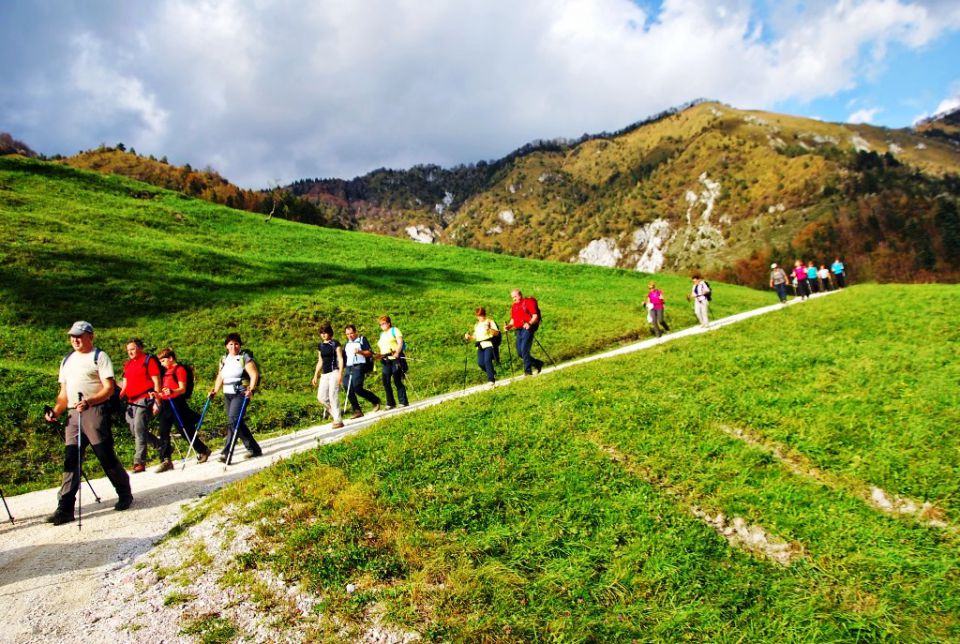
[575, 506]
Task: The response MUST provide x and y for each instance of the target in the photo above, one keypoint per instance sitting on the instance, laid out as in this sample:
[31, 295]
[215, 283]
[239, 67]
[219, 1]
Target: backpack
[496, 340]
[113, 404]
[709, 293]
[393, 332]
[536, 307]
[367, 366]
[190, 380]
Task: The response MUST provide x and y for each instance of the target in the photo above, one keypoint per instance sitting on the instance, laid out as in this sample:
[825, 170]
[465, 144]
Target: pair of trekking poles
[196, 431]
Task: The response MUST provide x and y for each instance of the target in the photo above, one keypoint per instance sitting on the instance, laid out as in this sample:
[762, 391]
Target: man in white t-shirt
[86, 384]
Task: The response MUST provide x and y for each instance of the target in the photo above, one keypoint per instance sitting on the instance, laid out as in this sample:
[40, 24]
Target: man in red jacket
[525, 319]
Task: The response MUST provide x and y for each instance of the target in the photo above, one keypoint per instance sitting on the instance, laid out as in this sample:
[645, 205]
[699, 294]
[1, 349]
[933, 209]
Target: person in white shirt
[359, 357]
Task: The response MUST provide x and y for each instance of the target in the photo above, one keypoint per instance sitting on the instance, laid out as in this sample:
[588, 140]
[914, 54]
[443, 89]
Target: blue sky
[275, 90]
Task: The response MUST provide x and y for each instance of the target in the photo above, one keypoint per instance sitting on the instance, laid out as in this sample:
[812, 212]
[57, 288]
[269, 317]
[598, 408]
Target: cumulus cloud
[948, 105]
[866, 115]
[271, 91]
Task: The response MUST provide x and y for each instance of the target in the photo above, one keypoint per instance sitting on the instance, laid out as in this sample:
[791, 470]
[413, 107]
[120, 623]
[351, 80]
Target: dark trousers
[485, 362]
[233, 403]
[656, 316]
[173, 412]
[841, 279]
[355, 388]
[392, 370]
[803, 288]
[814, 286]
[96, 433]
[524, 347]
[781, 291]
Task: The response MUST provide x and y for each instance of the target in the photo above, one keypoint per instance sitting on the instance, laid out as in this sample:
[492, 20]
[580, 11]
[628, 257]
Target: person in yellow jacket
[484, 334]
[393, 361]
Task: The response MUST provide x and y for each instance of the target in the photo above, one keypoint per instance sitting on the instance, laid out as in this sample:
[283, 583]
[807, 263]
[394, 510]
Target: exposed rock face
[421, 234]
[600, 252]
[859, 143]
[649, 242]
[701, 234]
[506, 216]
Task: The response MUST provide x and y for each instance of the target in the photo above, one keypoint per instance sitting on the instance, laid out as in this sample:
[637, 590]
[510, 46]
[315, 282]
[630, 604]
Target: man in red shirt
[141, 385]
[525, 319]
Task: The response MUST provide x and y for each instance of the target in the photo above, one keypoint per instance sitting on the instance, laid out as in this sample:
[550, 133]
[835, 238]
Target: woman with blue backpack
[486, 336]
[393, 361]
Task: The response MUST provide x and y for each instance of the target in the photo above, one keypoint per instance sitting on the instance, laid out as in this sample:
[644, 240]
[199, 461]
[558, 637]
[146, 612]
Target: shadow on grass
[57, 285]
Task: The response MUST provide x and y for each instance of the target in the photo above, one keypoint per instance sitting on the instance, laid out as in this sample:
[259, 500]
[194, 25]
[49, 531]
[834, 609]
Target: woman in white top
[235, 367]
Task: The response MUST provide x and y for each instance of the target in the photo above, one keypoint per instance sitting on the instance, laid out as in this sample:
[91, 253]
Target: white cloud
[270, 90]
[948, 105]
[866, 115]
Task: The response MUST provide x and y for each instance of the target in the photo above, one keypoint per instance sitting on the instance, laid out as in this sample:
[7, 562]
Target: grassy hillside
[136, 260]
[718, 488]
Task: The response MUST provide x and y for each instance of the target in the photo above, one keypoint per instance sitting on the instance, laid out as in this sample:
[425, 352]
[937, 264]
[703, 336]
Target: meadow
[139, 261]
[604, 502]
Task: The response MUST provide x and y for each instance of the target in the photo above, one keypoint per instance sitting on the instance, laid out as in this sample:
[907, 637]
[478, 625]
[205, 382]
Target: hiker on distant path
[392, 360]
[141, 390]
[86, 383]
[525, 319]
[359, 357]
[778, 282]
[655, 304]
[235, 367]
[824, 276]
[328, 374]
[175, 410]
[839, 273]
[812, 277]
[700, 294]
[484, 333]
[800, 273]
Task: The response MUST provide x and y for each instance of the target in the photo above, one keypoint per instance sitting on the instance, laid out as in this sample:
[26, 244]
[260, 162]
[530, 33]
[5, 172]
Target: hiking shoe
[251, 454]
[222, 458]
[165, 466]
[337, 425]
[375, 409]
[139, 467]
[203, 458]
[123, 502]
[389, 407]
[61, 516]
[357, 414]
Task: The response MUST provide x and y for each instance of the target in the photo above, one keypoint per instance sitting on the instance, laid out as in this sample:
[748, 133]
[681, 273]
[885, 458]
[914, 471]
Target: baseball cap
[79, 328]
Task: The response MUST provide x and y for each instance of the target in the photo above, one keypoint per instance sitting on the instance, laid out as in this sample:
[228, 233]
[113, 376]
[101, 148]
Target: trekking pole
[236, 431]
[183, 428]
[79, 463]
[196, 432]
[6, 506]
[90, 485]
[544, 351]
[346, 394]
[509, 356]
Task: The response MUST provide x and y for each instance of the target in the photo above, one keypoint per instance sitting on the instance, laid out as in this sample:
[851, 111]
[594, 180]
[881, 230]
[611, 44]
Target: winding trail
[49, 574]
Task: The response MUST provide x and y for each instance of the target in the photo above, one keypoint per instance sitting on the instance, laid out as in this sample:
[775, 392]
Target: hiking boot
[63, 514]
[165, 466]
[252, 454]
[203, 458]
[337, 425]
[389, 407]
[222, 458]
[139, 467]
[357, 414]
[375, 409]
[123, 502]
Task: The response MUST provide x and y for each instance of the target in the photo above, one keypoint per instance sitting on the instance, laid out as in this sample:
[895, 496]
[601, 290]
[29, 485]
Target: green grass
[139, 261]
[559, 509]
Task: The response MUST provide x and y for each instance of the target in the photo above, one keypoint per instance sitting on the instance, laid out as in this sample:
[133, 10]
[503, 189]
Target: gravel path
[55, 579]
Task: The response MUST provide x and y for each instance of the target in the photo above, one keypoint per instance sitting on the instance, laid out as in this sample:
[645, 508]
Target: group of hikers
[158, 385]
[807, 280]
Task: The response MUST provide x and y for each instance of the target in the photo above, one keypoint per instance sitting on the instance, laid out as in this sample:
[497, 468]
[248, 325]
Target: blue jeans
[391, 369]
[781, 291]
[355, 376]
[485, 361]
[524, 346]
